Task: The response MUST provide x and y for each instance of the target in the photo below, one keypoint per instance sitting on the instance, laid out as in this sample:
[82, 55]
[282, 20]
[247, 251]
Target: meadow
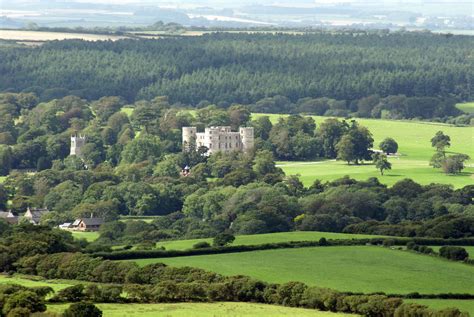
[358, 269]
[89, 236]
[201, 310]
[467, 107]
[463, 305]
[252, 239]
[34, 281]
[415, 150]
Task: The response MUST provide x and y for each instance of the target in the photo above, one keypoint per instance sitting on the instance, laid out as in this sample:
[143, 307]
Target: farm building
[9, 217]
[87, 224]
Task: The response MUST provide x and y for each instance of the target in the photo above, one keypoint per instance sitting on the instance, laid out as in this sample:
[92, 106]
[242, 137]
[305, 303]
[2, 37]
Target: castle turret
[247, 138]
[77, 142]
[189, 137]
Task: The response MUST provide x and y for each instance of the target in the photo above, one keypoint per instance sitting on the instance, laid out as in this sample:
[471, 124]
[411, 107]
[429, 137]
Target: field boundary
[147, 254]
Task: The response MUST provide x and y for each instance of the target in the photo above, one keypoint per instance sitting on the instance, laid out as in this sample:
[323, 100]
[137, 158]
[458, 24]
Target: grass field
[201, 310]
[89, 236]
[463, 305]
[28, 282]
[414, 145]
[267, 238]
[467, 107]
[357, 269]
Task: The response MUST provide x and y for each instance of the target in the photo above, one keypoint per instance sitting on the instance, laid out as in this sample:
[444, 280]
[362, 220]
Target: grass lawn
[467, 107]
[358, 269]
[89, 236]
[201, 310]
[35, 281]
[267, 238]
[414, 145]
[463, 305]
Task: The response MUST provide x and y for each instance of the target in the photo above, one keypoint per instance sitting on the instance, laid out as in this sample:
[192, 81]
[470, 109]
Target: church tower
[77, 142]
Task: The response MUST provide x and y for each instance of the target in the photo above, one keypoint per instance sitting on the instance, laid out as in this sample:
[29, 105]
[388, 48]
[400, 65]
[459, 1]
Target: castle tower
[77, 142]
[189, 137]
[247, 139]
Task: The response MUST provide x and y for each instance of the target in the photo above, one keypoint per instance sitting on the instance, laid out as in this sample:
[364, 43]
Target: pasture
[89, 236]
[414, 147]
[200, 310]
[462, 304]
[33, 281]
[467, 107]
[358, 269]
[252, 239]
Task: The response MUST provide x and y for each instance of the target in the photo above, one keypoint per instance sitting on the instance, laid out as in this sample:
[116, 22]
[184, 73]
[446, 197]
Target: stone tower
[247, 138]
[189, 137]
[77, 142]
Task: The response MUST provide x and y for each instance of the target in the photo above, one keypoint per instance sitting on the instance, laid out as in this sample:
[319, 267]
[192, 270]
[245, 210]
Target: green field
[2, 179]
[267, 238]
[201, 310]
[467, 107]
[89, 236]
[358, 269]
[30, 281]
[414, 146]
[463, 305]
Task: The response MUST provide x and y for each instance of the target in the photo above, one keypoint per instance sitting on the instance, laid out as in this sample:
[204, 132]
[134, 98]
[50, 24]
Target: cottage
[87, 224]
[9, 217]
[34, 214]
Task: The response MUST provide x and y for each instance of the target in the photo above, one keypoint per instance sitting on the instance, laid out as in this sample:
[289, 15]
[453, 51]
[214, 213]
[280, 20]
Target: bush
[454, 253]
[201, 245]
[82, 309]
[223, 239]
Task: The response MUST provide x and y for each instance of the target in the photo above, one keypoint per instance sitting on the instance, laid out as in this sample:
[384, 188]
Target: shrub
[454, 253]
[223, 239]
[201, 245]
[82, 309]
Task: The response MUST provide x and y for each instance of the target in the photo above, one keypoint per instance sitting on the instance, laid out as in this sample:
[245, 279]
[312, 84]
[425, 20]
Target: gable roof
[4, 214]
[92, 221]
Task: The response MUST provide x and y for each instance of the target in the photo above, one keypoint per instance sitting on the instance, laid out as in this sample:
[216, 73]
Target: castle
[219, 139]
[77, 142]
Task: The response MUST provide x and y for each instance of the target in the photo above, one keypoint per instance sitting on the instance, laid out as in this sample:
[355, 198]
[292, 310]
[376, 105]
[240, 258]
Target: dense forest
[225, 68]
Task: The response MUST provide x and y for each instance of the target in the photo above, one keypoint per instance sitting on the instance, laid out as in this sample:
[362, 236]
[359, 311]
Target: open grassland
[42, 36]
[201, 310]
[467, 107]
[29, 281]
[267, 238]
[414, 146]
[463, 305]
[357, 269]
[89, 236]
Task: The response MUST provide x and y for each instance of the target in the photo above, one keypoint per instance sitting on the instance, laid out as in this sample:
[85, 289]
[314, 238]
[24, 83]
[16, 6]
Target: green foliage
[223, 239]
[381, 162]
[453, 253]
[389, 145]
[82, 309]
